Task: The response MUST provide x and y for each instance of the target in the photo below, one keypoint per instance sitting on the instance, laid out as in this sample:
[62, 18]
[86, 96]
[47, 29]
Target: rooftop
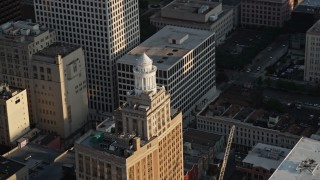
[7, 92]
[266, 156]
[236, 105]
[311, 3]
[201, 137]
[167, 46]
[191, 6]
[57, 49]
[20, 31]
[36, 157]
[301, 163]
[9, 167]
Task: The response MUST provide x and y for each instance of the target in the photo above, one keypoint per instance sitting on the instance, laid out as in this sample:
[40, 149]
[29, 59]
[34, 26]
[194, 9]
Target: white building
[262, 160]
[312, 54]
[301, 163]
[185, 59]
[18, 42]
[14, 116]
[198, 14]
[60, 89]
[106, 30]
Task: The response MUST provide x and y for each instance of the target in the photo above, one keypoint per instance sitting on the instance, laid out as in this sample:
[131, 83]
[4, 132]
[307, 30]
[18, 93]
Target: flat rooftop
[236, 105]
[191, 6]
[36, 157]
[201, 137]
[57, 49]
[6, 92]
[163, 53]
[301, 163]
[266, 156]
[9, 167]
[311, 3]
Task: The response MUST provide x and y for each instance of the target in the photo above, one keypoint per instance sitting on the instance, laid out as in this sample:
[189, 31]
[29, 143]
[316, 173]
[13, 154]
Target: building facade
[185, 59]
[147, 142]
[106, 30]
[311, 63]
[60, 89]
[198, 14]
[267, 13]
[262, 160]
[246, 135]
[14, 116]
[10, 10]
[18, 42]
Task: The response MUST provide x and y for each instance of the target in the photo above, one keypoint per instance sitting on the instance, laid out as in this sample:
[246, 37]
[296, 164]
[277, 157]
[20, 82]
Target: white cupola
[144, 75]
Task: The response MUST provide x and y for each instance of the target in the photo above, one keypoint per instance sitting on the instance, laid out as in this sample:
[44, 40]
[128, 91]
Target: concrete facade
[14, 116]
[312, 55]
[198, 14]
[267, 13]
[18, 42]
[185, 59]
[60, 89]
[106, 30]
[147, 142]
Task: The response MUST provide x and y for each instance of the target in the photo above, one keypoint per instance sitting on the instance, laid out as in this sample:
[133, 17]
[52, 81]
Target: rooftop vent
[203, 9]
[178, 38]
[308, 165]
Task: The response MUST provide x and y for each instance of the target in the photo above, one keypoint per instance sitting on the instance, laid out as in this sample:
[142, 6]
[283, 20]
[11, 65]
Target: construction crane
[226, 153]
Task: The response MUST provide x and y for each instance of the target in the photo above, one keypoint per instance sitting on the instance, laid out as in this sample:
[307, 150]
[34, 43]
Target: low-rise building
[301, 163]
[14, 116]
[199, 150]
[12, 170]
[185, 61]
[198, 14]
[265, 13]
[262, 160]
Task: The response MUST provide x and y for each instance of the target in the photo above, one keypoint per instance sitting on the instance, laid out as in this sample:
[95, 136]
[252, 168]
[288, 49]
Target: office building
[12, 170]
[10, 10]
[18, 42]
[14, 116]
[301, 163]
[185, 59]
[265, 13]
[262, 160]
[147, 139]
[106, 30]
[198, 14]
[311, 65]
[60, 89]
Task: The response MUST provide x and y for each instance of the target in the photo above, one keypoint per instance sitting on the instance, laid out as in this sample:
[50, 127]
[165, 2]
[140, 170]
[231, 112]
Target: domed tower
[145, 75]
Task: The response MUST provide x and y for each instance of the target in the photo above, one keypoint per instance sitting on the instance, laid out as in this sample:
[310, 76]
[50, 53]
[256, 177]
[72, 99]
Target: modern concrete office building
[185, 59]
[312, 54]
[18, 42]
[14, 116]
[106, 30]
[147, 141]
[198, 14]
[10, 10]
[267, 13]
[60, 89]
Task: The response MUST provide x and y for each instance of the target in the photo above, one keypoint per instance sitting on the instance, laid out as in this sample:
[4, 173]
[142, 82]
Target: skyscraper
[107, 29]
[147, 141]
[10, 10]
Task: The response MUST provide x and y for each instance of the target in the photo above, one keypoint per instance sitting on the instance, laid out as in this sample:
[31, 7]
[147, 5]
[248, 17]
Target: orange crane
[226, 153]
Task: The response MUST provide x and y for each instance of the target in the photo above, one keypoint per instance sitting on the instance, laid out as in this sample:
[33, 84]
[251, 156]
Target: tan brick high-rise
[146, 142]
